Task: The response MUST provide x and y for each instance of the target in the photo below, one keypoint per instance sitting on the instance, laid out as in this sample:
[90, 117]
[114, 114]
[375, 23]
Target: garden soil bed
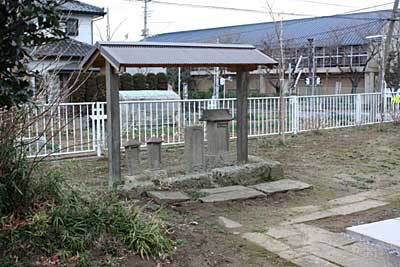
[336, 162]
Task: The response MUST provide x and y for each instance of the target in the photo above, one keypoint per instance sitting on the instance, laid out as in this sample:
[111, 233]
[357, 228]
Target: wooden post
[242, 81]
[113, 127]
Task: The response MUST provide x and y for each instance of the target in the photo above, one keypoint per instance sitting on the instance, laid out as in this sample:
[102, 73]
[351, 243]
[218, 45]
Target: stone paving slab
[225, 189]
[266, 242]
[337, 211]
[305, 209]
[379, 254]
[341, 257]
[308, 235]
[357, 207]
[167, 196]
[279, 232]
[385, 232]
[312, 261]
[241, 194]
[279, 186]
[348, 199]
[229, 223]
[311, 217]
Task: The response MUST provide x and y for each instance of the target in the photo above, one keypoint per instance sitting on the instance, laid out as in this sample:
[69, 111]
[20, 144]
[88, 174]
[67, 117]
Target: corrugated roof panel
[176, 54]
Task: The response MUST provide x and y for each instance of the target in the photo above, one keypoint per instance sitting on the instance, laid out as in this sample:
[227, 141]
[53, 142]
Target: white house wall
[85, 28]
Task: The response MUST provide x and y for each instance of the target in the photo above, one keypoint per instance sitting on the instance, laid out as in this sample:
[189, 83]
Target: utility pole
[311, 64]
[108, 27]
[145, 31]
[282, 106]
[216, 81]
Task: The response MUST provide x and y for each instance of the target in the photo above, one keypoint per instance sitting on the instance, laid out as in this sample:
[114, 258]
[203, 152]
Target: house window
[71, 27]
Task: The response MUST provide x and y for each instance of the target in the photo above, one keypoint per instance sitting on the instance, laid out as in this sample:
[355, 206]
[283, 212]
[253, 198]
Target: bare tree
[281, 69]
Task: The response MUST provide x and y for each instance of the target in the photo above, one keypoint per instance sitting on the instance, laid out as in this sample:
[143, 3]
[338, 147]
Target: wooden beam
[113, 126]
[242, 82]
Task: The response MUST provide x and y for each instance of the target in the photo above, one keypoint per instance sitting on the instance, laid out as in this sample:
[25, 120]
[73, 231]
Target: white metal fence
[81, 127]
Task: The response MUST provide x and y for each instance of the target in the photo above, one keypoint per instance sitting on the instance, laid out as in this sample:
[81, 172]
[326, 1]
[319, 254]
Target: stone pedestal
[154, 152]
[194, 149]
[217, 130]
[132, 152]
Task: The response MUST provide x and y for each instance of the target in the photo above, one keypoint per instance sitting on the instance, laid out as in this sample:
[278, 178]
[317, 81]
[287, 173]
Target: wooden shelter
[115, 57]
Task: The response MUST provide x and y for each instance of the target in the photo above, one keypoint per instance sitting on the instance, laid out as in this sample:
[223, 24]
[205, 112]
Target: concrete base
[255, 172]
[385, 233]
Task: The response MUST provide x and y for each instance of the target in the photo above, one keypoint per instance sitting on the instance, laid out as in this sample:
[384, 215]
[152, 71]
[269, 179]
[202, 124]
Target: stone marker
[132, 152]
[217, 130]
[167, 196]
[228, 223]
[281, 186]
[194, 149]
[154, 151]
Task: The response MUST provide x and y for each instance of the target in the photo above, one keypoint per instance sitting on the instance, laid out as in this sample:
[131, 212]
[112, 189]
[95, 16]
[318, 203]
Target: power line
[324, 3]
[227, 8]
[367, 8]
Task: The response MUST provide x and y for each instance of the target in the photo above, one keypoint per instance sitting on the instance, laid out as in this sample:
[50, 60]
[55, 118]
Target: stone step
[167, 196]
[229, 193]
[279, 186]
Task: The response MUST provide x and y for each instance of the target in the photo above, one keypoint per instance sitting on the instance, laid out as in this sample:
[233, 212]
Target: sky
[126, 16]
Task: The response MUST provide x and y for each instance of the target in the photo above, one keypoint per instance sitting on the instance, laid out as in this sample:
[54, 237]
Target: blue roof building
[342, 52]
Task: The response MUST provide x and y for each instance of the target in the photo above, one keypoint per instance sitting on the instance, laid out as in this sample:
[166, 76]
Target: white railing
[81, 127]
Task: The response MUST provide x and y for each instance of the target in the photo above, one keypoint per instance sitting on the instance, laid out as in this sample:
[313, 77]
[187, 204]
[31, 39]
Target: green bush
[126, 82]
[81, 222]
[21, 184]
[162, 81]
[139, 81]
[151, 81]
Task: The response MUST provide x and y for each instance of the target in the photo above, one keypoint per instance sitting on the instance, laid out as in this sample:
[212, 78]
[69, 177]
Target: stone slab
[357, 207]
[225, 189]
[339, 256]
[228, 223]
[312, 261]
[385, 232]
[365, 250]
[283, 185]
[305, 209]
[311, 217]
[167, 196]
[348, 199]
[232, 195]
[282, 231]
[266, 242]
[291, 254]
[308, 235]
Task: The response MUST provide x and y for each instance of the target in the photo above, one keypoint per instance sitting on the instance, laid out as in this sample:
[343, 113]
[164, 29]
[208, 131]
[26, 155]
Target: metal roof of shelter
[153, 54]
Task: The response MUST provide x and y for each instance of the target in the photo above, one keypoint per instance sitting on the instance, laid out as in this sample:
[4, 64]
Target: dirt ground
[336, 162]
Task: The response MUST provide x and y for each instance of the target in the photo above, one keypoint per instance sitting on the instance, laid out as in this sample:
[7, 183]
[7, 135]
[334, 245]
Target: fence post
[295, 113]
[98, 128]
[358, 110]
